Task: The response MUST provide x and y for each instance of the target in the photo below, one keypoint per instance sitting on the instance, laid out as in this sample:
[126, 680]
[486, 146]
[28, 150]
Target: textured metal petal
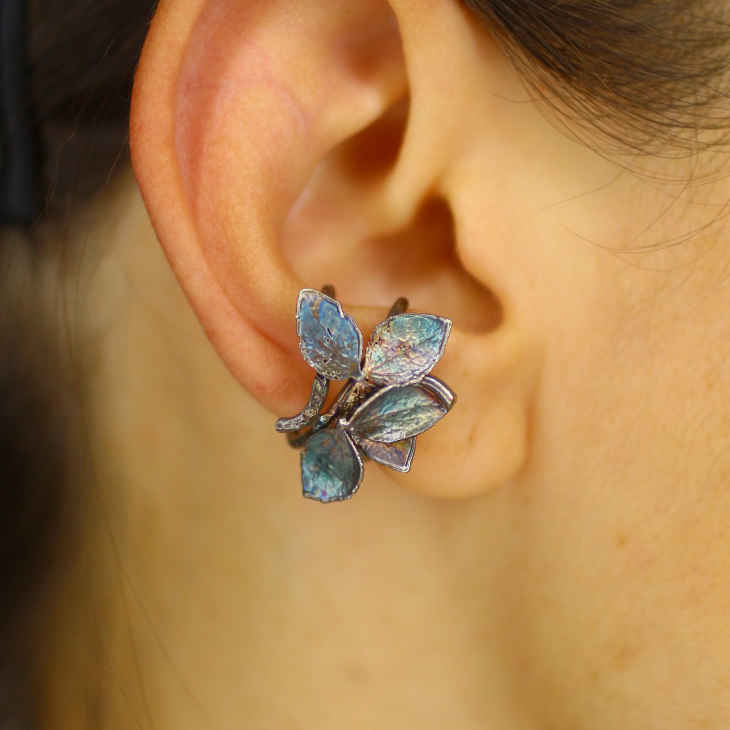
[331, 467]
[328, 338]
[396, 413]
[309, 413]
[397, 456]
[404, 348]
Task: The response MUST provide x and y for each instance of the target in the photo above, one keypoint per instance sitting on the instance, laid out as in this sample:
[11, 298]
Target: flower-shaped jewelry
[389, 397]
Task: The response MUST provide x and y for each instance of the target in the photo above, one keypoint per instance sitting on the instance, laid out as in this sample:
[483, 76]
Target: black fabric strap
[18, 153]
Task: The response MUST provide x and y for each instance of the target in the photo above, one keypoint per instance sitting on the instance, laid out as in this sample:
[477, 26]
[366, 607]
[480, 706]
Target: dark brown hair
[82, 57]
[648, 74]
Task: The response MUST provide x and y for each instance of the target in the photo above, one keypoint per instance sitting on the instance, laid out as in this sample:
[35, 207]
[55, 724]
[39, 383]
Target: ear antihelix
[388, 400]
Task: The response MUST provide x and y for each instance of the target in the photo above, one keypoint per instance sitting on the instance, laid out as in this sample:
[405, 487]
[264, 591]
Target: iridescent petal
[402, 349]
[397, 456]
[331, 467]
[396, 413]
[328, 338]
[320, 388]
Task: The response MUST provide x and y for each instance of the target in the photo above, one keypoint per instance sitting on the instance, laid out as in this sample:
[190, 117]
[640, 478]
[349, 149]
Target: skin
[557, 558]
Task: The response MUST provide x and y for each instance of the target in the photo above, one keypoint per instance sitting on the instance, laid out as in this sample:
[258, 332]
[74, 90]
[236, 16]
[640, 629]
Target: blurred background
[66, 71]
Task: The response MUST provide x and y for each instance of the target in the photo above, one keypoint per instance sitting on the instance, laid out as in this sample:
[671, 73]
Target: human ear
[280, 144]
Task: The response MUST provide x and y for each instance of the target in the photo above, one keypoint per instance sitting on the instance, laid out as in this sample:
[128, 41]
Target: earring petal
[395, 413]
[331, 466]
[329, 339]
[404, 348]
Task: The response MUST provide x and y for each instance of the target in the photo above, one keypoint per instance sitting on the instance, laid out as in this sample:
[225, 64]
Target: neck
[210, 594]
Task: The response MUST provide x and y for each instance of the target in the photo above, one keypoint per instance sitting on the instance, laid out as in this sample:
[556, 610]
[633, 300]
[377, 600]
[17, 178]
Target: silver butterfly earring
[389, 397]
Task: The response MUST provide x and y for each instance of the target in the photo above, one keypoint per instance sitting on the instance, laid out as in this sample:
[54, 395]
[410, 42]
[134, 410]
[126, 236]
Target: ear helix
[388, 400]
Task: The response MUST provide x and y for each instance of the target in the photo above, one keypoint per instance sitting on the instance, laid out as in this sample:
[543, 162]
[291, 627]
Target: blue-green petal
[395, 413]
[404, 348]
[329, 339]
[331, 466]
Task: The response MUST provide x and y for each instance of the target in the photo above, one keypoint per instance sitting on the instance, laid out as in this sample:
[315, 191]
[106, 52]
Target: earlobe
[275, 147]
